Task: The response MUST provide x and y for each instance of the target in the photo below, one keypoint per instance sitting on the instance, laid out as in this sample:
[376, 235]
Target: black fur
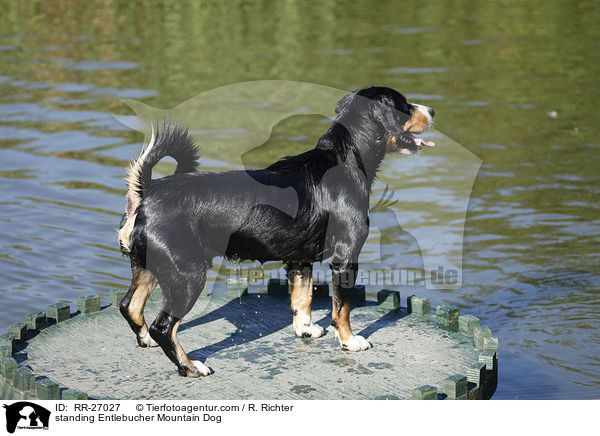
[186, 219]
[174, 141]
[217, 204]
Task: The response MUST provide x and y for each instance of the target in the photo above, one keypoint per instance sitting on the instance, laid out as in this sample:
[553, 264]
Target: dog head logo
[26, 415]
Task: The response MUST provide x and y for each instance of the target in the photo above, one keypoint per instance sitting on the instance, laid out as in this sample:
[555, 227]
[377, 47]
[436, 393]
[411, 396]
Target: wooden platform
[249, 344]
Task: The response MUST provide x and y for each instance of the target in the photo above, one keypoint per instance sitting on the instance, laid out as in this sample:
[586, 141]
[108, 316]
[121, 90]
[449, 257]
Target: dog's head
[395, 118]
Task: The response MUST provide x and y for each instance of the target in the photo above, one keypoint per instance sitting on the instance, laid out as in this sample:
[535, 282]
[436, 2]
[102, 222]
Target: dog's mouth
[407, 143]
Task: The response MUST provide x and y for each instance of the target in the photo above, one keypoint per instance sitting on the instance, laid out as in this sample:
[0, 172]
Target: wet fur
[178, 222]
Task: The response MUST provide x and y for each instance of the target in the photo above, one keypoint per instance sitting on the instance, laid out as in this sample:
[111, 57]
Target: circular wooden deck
[249, 344]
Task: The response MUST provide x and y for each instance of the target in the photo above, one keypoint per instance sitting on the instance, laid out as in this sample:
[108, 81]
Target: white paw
[356, 343]
[309, 331]
[202, 368]
[147, 340]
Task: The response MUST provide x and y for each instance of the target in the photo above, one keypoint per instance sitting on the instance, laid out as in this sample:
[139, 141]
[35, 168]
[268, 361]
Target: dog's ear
[344, 103]
[391, 119]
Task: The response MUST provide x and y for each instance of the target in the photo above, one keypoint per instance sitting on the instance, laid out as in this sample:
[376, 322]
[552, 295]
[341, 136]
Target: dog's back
[278, 213]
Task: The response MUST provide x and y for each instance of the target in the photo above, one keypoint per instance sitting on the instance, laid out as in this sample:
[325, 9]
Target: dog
[300, 210]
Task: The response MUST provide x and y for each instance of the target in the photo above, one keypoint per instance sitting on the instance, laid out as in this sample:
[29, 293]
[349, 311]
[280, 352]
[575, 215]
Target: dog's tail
[170, 140]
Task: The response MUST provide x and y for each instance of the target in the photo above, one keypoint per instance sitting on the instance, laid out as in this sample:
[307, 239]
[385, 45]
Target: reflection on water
[514, 83]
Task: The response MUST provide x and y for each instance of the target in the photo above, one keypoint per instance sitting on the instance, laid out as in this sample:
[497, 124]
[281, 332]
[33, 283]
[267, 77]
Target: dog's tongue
[420, 141]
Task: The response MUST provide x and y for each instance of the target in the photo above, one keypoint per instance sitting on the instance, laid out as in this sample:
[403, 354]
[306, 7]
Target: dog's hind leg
[181, 287]
[132, 305]
[164, 331]
[300, 276]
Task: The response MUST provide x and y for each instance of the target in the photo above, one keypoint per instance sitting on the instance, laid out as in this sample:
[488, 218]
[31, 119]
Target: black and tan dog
[176, 225]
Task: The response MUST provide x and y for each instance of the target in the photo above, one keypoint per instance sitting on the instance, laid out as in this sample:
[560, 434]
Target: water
[515, 83]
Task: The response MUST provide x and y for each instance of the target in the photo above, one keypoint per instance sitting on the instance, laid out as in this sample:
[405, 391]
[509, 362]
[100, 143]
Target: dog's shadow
[257, 315]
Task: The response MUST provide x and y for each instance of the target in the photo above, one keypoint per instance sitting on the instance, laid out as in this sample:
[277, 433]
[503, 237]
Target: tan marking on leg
[341, 323]
[302, 293]
[144, 283]
[341, 317]
[200, 368]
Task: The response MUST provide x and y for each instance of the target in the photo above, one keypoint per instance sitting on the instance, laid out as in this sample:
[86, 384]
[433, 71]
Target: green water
[514, 82]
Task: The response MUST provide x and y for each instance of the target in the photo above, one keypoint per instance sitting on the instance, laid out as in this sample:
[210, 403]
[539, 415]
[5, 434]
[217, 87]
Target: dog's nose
[431, 111]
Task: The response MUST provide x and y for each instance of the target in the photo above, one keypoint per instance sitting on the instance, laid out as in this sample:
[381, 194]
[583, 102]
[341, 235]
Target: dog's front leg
[343, 278]
[300, 276]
